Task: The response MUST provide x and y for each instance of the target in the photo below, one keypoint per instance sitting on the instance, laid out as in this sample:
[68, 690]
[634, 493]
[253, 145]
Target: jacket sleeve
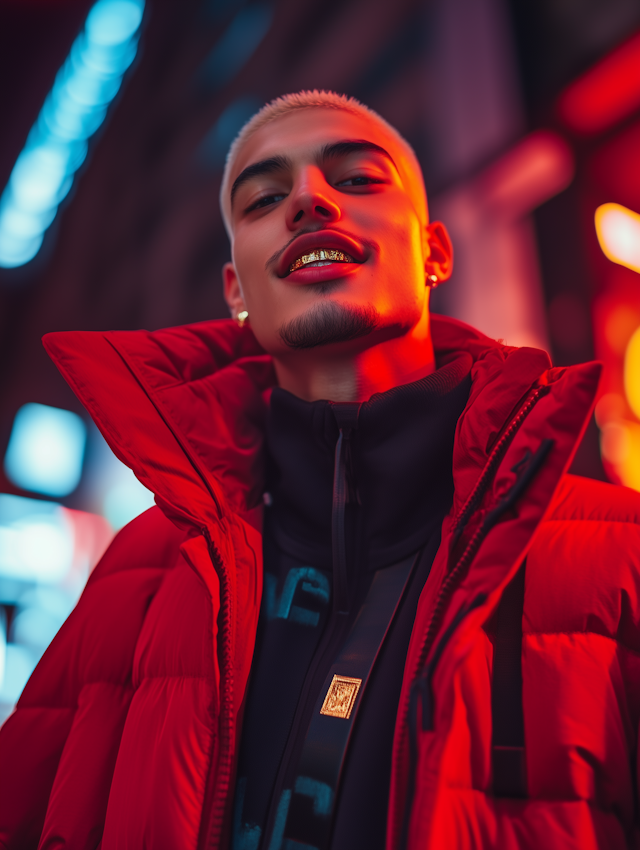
[61, 742]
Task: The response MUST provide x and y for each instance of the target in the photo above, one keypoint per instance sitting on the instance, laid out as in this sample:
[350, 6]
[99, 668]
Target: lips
[323, 246]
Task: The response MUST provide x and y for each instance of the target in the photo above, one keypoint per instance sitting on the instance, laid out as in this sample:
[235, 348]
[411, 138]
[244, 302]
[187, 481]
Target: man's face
[323, 180]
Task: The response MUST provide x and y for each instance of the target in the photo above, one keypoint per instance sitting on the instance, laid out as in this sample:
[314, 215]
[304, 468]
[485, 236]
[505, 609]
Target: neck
[345, 375]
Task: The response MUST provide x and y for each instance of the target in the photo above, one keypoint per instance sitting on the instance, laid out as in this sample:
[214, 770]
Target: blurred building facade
[476, 86]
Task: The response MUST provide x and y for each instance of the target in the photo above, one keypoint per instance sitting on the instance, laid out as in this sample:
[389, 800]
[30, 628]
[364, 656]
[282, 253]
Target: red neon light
[534, 170]
[606, 93]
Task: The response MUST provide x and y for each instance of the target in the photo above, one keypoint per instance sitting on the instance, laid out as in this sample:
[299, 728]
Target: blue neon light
[72, 112]
[46, 450]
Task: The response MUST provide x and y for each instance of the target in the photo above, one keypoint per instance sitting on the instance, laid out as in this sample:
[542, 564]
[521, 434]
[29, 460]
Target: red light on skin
[527, 175]
[606, 93]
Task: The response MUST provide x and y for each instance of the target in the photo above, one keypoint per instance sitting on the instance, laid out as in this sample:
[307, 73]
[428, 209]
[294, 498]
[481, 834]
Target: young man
[442, 650]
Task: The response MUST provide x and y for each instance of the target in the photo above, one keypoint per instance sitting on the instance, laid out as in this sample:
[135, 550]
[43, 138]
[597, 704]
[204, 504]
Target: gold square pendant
[341, 697]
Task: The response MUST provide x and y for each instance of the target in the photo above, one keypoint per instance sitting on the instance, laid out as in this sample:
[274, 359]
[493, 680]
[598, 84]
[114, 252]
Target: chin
[329, 322]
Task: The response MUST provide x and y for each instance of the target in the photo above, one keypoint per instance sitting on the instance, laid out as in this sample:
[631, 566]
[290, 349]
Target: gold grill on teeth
[319, 255]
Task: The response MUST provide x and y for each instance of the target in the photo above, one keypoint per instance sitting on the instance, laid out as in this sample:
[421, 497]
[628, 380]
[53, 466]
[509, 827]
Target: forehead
[300, 134]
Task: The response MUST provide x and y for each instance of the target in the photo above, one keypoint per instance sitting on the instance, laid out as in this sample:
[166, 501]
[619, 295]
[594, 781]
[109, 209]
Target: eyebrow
[349, 146]
[265, 166]
[333, 150]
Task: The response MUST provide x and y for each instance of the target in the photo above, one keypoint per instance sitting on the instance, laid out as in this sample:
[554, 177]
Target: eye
[358, 180]
[266, 201]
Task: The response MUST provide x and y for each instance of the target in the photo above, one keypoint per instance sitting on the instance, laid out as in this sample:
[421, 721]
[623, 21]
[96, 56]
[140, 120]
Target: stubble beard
[329, 323]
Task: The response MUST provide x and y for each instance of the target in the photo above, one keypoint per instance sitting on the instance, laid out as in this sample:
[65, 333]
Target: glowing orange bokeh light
[632, 373]
[618, 230]
[619, 433]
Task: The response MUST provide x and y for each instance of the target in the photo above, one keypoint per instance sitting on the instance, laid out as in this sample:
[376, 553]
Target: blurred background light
[36, 540]
[606, 93]
[19, 665]
[74, 109]
[46, 554]
[620, 442]
[109, 488]
[46, 450]
[125, 498]
[632, 373]
[111, 23]
[527, 175]
[618, 230]
[3, 645]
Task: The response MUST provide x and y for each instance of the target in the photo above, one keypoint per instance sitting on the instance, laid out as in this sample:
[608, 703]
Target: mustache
[273, 259]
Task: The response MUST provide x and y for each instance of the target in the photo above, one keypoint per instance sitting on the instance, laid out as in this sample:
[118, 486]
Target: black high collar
[401, 468]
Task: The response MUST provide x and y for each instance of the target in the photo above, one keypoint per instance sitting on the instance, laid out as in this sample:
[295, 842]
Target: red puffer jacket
[127, 732]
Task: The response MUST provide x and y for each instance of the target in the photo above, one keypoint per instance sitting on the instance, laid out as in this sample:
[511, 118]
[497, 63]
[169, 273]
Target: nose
[311, 201]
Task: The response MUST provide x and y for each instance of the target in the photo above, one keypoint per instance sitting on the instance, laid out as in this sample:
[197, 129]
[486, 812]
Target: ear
[438, 251]
[231, 290]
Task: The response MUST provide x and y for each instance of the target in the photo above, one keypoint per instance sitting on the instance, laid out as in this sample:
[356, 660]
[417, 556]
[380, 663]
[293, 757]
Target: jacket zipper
[225, 758]
[346, 415]
[421, 688]
[458, 572]
[223, 777]
[421, 685]
[335, 629]
[495, 457]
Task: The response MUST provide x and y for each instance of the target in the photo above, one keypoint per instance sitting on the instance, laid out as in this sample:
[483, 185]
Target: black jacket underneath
[400, 487]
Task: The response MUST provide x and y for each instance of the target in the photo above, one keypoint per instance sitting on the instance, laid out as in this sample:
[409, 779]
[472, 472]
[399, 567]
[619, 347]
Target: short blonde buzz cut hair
[312, 99]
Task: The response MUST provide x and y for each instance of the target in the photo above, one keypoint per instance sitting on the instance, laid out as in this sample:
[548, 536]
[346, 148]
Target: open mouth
[316, 249]
[320, 257]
